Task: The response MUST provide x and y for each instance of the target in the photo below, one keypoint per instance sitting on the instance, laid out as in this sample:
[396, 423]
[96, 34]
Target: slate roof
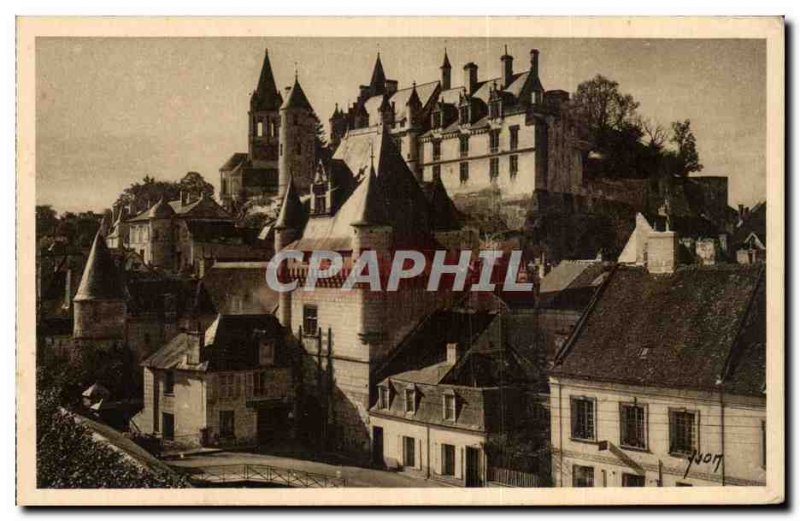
[425, 92]
[684, 330]
[101, 279]
[203, 207]
[230, 343]
[571, 284]
[296, 99]
[266, 95]
[235, 160]
[292, 215]
[243, 280]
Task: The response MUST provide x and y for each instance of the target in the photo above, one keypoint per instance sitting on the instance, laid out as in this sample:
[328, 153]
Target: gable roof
[675, 331]
[101, 279]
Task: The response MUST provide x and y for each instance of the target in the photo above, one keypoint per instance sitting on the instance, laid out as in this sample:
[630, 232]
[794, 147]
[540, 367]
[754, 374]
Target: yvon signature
[700, 458]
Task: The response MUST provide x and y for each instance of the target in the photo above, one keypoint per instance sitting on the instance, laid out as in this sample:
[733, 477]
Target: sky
[111, 110]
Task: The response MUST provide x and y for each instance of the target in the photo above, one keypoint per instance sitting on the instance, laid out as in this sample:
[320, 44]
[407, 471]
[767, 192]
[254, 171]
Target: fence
[512, 478]
[266, 474]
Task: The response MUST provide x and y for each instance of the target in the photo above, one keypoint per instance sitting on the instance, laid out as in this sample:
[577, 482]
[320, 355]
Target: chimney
[508, 68]
[193, 353]
[661, 253]
[470, 77]
[452, 353]
[535, 63]
[391, 87]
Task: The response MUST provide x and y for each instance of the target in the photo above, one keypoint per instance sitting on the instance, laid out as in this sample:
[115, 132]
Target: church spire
[378, 82]
[266, 95]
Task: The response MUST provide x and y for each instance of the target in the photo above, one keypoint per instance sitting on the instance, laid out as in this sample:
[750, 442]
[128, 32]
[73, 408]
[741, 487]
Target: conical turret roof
[446, 63]
[292, 214]
[378, 81]
[372, 207]
[100, 280]
[266, 95]
[297, 98]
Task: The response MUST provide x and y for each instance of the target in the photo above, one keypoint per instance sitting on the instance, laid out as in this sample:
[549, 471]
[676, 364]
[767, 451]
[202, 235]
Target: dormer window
[463, 114]
[383, 397]
[449, 406]
[496, 108]
[266, 353]
[410, 400]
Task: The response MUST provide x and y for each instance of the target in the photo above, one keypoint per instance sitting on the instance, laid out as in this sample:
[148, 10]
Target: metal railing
[253, 473]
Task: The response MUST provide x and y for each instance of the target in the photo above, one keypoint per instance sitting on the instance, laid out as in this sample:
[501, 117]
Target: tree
[46, 220]
[687, 159]
[142, 195]
[193, 183]
[601, 107]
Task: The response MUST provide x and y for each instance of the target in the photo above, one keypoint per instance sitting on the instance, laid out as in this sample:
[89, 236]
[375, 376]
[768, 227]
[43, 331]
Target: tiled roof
[244, 281]
[676, 331]
[101, 279]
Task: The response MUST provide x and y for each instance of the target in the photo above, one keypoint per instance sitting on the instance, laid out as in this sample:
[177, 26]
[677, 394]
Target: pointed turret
[292, 214]
[297, 98]
[161, 210]
[266, 95]
[372, 207]
[100, 277]
[446, 69]
[378, 82]
[444, 214]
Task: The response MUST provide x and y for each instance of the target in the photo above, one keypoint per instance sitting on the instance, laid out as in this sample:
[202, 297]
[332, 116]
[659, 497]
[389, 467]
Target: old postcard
[464, 261]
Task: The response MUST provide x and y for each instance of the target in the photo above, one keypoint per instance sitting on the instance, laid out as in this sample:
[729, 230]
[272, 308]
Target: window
[514, 138]
[463, 172]
[260, 383]
[310, 324]
[463, 145]
[632, 423]
[227, 386]
[410, 400]
[463, 114]
[226, 424]
[169, 382]
[513, 166]
[448, 460]
[437, 150]
[449, 406]
[582, 476]
[582, 418]
[266, 353]
[495, 108]
[320, 203]
[383, 397]
[494, 141]
[409, 446]
[437, 171]
[682, 432]
[259, 129]
[494, 168]
[632, 480]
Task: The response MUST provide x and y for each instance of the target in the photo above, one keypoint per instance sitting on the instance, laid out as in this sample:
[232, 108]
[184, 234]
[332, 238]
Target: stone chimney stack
[470, 77]
[452, 353]
[535, 63]
[508, 67]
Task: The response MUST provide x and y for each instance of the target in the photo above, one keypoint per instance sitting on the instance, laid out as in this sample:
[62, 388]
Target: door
[377, 446]
[473, 467]
[271, 424]
[168, 425]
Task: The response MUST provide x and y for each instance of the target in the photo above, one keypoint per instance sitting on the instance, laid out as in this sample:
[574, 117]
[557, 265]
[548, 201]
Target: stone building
[366, 199]
[230, 385]
[190, 235]
[662, 383]
[279, 130]
[453, 386]
[504, 133]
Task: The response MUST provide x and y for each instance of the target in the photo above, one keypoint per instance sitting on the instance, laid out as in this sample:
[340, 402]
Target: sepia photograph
[448, 264]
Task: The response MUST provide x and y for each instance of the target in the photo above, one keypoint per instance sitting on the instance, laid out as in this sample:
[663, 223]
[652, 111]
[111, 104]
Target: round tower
[297, 149]
[288, 228]
[413, 129]
[161, 235]
[100, 310]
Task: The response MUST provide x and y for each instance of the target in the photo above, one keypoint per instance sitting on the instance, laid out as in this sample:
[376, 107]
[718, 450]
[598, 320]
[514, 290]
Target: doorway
[473, 467]
[377, 446]
[168, 426]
